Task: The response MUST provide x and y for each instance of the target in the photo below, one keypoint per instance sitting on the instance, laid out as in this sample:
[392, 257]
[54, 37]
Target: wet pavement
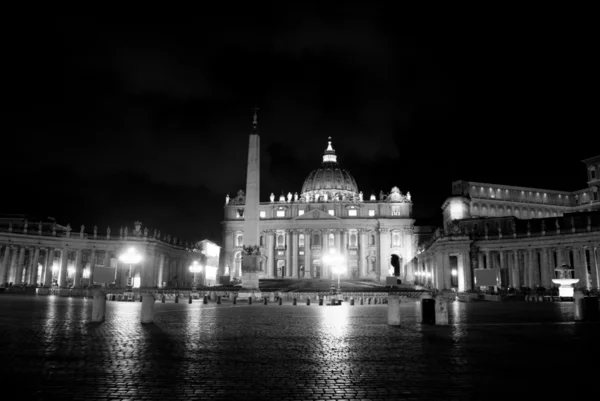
[491, 350]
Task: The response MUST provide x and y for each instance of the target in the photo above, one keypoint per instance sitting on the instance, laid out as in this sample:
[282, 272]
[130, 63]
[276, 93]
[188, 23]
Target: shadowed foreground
[490, 351]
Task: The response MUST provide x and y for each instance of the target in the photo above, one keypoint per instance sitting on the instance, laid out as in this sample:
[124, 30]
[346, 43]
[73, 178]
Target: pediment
[316, 214]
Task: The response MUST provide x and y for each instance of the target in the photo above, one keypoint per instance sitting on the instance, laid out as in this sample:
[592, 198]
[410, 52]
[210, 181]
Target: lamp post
[130, 257]
[195, 268]
[335, 260]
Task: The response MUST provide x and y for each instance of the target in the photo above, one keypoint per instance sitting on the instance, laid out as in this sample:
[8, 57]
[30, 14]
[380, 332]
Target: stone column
[47, 279]
[468, 272]
[62, 275]
[384, 253]
[271, 254]
[516, 282]
[295, 254]
[560, 257]
[488, 260]
[34, 270]
[545, 279]
[580, 269]
[594, 267]
[530, 263]
[289, 250]
[12, 271]
[4, 268]
[460, 270]
[147, 266]
[161, 271]
[503, 270]
[29, 267]
[362, 254]
[78, 270]
[307, 255]
[20, 266]
[439, 270]
[92, 267]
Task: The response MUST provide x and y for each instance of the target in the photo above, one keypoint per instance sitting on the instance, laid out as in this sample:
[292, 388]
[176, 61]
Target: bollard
[280, 299]
[114, 297]
[362, 301]
[190, 300]
[351, 301]
[320, 301]
[393, 310]
[441, 312]
[176, 299]
[308, 301]
[249, 300]
[427, 311]
[234, 300]
[368, 301]
[294, 301]
[205, 300]
[99, 307]
[265, 298]
[219, 300]
[148, 308]
[163, 299]
[141, 297]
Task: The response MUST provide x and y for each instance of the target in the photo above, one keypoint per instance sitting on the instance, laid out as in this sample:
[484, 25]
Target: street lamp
[130, 257]
[335, 260]
[195, 268]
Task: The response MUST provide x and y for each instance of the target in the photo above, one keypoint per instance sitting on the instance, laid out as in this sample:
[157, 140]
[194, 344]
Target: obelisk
[251, 252]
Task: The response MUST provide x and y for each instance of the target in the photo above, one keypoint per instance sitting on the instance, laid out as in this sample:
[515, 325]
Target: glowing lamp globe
[195, 267]
[130, 257]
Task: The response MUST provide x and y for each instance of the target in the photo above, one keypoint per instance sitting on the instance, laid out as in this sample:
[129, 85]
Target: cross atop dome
[329, 156]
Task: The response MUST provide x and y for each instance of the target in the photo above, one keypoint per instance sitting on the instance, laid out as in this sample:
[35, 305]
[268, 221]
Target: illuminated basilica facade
[376, 237]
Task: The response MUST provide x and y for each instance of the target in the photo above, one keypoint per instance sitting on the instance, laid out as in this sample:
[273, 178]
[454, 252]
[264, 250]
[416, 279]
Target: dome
[330, 179]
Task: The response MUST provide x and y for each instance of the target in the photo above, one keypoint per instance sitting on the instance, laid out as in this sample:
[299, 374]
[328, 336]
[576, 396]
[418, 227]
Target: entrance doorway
[280, 268]
[395, 262]
[317, 269]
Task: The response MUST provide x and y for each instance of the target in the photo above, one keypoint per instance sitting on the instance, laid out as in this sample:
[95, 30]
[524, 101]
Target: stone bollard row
[249, 300]
[361, 301]
[320, 301]
[585, 308]
[176, 299]
[351, 301]
[280, 300]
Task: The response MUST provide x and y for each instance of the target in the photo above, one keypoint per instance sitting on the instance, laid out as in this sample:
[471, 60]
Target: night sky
[115, 121]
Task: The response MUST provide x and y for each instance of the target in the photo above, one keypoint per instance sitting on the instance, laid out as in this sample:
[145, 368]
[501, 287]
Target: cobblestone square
[491, 350]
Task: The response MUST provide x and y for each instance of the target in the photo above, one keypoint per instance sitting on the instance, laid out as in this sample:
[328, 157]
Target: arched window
[301, 240]
[372, 242]
[331, 241]
[240, 240]
[353, 240]
[317, 239]
[280, 240]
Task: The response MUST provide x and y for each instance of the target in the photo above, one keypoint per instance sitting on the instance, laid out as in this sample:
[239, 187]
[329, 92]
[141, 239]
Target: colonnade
[74, 267]
[532, 266]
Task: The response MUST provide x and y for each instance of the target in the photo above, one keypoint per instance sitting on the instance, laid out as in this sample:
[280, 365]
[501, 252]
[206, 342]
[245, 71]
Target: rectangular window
[263, 214]
[281, 213]
[371, 213]
[300, 212]
[352, 212]
[301, 253]
[331, 212]
[280, 253]
[593, 174]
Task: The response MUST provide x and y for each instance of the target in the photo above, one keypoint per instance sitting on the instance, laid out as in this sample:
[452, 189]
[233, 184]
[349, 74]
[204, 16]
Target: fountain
[566, 281]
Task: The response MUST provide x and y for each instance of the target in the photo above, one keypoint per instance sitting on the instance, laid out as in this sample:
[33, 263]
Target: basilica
[374, 237]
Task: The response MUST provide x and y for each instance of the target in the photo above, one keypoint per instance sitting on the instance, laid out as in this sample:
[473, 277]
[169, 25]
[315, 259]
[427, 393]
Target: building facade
[522, 233]
[47, 254]
[375, 237]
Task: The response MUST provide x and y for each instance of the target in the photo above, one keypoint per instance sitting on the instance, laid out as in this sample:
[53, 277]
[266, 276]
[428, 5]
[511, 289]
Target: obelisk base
[250, 274]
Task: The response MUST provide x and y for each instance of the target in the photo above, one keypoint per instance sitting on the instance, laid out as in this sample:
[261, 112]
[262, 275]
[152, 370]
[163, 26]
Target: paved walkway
[48, 350]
